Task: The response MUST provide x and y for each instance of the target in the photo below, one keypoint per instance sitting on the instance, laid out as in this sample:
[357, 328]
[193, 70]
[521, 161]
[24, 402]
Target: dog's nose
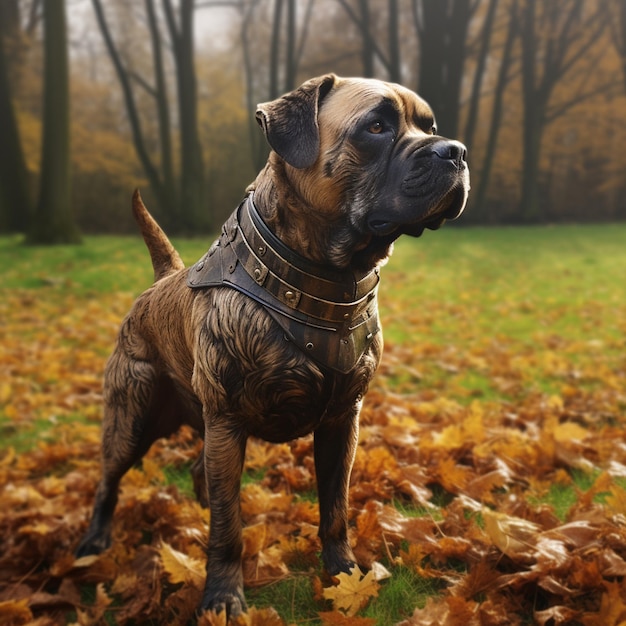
[451, 150]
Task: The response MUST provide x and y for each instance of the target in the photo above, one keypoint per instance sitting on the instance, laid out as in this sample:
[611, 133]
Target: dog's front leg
[224, 451]
[335, 447]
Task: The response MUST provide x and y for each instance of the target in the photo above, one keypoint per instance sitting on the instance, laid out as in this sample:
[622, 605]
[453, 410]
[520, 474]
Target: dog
[274, 333]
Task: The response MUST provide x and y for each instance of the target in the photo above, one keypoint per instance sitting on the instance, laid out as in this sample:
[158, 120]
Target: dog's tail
[165, 259]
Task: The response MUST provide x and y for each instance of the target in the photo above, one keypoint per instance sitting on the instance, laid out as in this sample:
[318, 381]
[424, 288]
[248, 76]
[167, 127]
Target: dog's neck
[289, 217]
[306, 230]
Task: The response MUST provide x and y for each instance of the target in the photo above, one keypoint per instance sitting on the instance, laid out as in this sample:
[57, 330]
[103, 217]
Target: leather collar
[331, 315]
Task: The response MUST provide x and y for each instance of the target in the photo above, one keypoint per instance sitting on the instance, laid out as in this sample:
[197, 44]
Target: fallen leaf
[181, 568]
[513, 536]
[352, 591]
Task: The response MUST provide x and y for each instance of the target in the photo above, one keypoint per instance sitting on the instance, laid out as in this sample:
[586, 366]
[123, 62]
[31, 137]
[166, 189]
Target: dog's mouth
[380, 228]
[449, 208]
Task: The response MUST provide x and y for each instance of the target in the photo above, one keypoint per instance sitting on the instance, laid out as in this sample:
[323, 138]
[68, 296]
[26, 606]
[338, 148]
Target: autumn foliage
[456, 486]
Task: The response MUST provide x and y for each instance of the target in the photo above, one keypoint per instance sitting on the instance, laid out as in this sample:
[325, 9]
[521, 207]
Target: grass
[90, 268]
[548, 298]
[404, 589]
[292, 598]
[520, 279]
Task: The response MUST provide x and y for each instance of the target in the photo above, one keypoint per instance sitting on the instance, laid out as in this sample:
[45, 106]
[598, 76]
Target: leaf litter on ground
[451, 481]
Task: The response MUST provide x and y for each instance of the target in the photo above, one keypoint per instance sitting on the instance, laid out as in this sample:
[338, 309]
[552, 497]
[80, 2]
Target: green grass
[403, 590]
[516, 277]
[89, 268]
[292, 598]
[562, 497]
[24, 437]
[180, 476]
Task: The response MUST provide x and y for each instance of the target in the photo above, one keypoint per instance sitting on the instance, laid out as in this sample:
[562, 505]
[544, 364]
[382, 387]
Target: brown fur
[215, 359]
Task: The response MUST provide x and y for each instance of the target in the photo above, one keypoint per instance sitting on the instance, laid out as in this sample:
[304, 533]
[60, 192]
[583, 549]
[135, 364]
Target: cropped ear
[290, 122]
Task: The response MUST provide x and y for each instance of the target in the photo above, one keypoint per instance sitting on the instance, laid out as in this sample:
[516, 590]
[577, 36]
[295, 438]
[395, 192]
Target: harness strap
[334, 321]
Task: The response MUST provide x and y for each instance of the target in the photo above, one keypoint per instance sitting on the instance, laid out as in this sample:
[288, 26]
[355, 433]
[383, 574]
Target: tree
[479, 74]
[370, 50]
[554, 36]
[15, 203]
[286, 39]
[503, 78]
[53, 222]
[192, 191]
[367, 48]
[442, 28]
[618, 32]
[183, 204]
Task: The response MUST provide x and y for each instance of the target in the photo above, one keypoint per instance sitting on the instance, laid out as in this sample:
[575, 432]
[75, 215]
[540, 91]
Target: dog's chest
[248, 372]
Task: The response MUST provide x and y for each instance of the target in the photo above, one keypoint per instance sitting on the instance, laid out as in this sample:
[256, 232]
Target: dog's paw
[338, 558]
[232, 602]
[339, 566]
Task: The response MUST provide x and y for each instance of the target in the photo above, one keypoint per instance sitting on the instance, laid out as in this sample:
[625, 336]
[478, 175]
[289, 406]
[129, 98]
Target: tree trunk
[370, 48]
[168, 186]
[496, 115]
[53, 221]
[367, 48]
[442, 32]
[458, 25]
[150, 169]
[622, 31]
[274, 69]
[433, 54]
[193, 211]
[290, 56]
[554, 36]
[618, 34]
[395, 71]
[15, 203]
[475, 97]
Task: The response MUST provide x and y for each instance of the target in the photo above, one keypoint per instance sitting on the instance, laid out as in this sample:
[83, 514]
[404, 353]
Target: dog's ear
[290, 122]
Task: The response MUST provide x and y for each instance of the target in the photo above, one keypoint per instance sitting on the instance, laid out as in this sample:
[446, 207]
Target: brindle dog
[355, 164]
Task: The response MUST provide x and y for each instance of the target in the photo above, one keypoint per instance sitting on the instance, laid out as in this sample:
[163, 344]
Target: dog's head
[369, 149]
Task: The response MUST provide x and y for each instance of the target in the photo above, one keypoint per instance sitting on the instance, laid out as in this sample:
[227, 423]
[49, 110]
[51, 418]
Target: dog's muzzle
[431, 184]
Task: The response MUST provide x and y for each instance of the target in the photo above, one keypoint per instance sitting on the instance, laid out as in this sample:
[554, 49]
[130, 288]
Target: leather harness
[331, 315]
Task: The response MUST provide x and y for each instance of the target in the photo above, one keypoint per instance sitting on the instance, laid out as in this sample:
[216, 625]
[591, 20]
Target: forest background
[97, 98]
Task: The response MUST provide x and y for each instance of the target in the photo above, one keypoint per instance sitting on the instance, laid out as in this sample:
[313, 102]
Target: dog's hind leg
[139, 408]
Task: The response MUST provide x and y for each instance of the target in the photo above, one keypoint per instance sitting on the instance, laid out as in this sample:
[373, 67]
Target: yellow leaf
[353, 591]
[181, 568]
[5, 393]
[15, 612]
[569, 431]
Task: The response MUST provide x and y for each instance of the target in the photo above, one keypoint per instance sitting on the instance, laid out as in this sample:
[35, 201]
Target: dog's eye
[376, 127]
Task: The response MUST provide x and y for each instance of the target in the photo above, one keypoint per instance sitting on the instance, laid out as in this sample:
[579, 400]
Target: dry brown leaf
[15, 612]
[513, 536]
[556, 615]
[449, 611]
[254, 617]
[336, 618]
[353, 591]
[612, 608]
